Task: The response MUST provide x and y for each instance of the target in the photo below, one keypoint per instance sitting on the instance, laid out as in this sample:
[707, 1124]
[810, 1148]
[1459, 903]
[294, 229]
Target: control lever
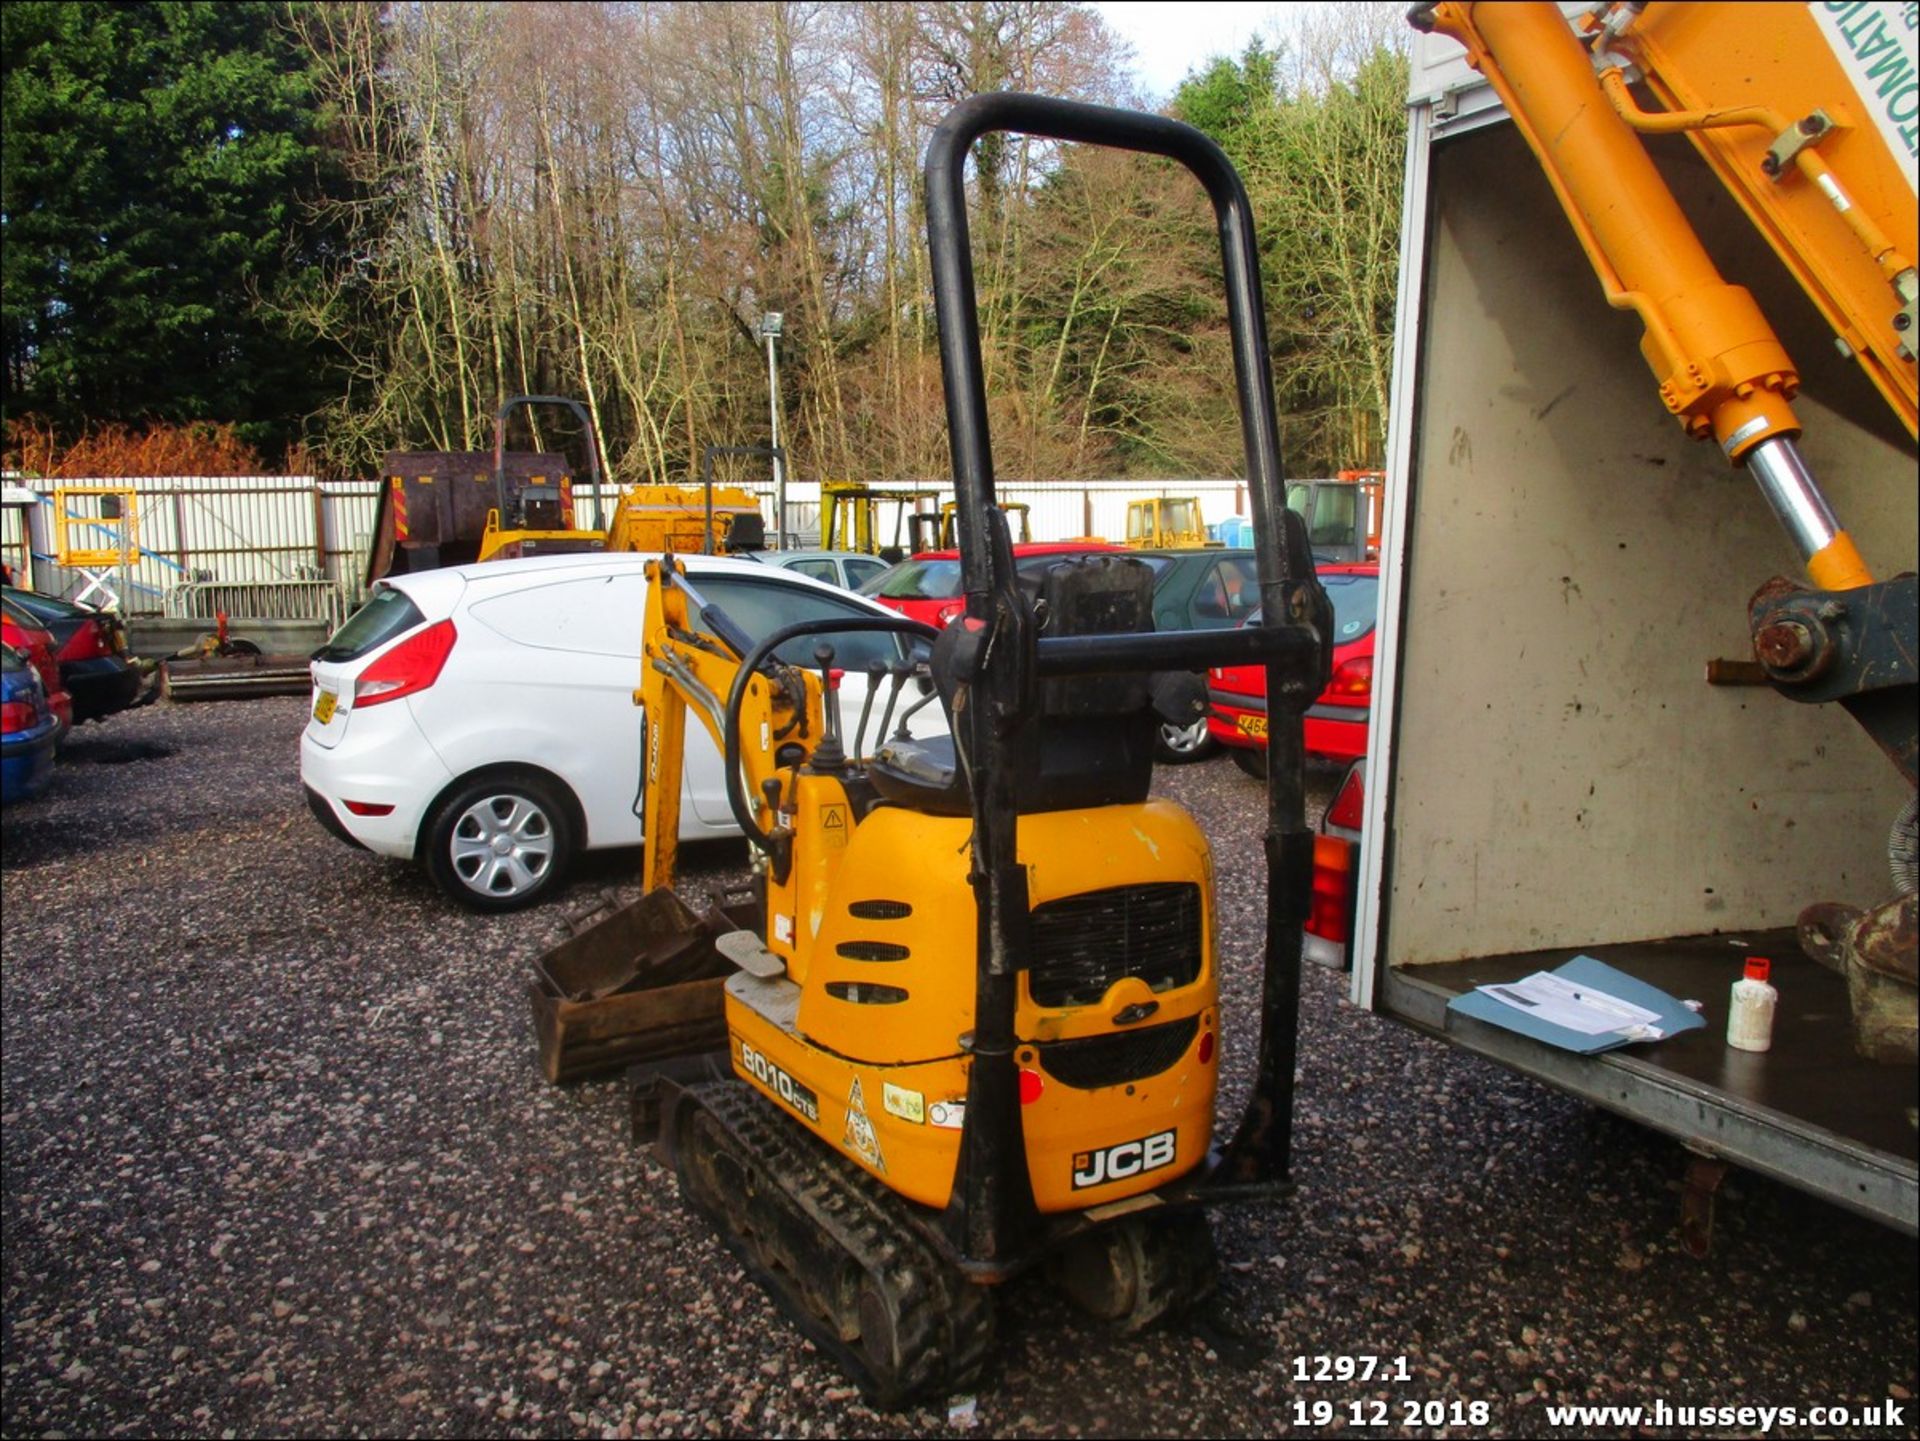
[875, 669]
[911, 711]
[899, 673]
[829, 754]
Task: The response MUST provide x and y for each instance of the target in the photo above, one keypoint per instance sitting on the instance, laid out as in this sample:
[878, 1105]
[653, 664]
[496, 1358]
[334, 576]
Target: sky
[1171, 39]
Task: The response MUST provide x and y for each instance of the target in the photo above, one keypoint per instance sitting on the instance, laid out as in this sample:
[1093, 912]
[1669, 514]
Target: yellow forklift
[850, 516]
[929, 532]
[978, 1024]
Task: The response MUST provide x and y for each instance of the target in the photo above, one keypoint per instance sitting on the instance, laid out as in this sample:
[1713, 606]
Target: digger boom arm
[683, 669]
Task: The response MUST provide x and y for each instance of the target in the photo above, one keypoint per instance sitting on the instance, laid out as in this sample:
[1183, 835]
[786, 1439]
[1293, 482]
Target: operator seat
[1090, 742]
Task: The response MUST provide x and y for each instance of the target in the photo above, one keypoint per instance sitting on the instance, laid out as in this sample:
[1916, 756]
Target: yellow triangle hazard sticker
[833, 825]
[861, 1139]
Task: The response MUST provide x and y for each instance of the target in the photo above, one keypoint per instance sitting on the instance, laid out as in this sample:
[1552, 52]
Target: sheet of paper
[1560, 1002]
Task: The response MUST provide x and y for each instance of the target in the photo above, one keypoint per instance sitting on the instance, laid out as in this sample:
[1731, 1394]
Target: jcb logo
[1116, 1163]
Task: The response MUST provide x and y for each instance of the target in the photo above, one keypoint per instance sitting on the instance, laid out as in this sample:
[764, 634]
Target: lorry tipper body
[1587, 735]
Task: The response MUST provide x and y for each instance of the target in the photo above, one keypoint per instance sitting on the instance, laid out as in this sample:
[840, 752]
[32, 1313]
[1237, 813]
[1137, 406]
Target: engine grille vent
[872, 951]
[866, 993]
[1115, 1059]
[1083, 944]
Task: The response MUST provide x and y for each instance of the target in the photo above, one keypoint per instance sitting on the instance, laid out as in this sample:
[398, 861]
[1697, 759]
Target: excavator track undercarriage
[853, 1264]
[839, 1251]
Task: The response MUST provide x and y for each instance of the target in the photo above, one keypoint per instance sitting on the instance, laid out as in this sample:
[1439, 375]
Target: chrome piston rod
[1793, 493]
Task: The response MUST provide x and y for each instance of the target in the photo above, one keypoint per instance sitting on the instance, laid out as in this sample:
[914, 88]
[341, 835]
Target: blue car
[28, 730]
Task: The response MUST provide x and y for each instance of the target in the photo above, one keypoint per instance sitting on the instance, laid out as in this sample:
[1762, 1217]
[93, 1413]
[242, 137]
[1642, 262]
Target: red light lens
[411, 666]
[1353, 678]
[1332, 895]
[1206, 1047]
[18, 715]
[1347, 805]
[367, 808]
[1030, 1087]
[946, 613]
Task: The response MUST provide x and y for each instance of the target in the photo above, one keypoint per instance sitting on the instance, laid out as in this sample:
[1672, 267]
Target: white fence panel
[233, 530]
[263, 529]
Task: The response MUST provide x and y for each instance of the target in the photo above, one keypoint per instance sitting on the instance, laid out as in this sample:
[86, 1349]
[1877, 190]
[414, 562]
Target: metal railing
[259, 600]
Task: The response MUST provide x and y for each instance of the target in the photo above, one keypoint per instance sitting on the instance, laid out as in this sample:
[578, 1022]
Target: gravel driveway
[278, 1161]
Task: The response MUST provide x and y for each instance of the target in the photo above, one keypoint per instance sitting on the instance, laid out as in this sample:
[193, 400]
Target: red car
[1337, 722]
[926, 587]
[20, 629]
[91, 648]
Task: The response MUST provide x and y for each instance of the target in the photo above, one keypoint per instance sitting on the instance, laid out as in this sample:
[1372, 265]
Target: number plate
[1251, 725]
[323, 706]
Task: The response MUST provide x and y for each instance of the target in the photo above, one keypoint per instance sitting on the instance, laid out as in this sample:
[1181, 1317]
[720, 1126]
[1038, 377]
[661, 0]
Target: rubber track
[944, 1324]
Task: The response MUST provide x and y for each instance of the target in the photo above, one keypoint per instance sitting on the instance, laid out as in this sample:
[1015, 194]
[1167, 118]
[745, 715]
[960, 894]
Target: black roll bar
[991, 1225]
[500, 453]
[777, 454]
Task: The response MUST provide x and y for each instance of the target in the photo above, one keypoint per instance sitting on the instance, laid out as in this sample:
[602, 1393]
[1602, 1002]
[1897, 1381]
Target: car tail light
[1331, 910]
[1348, 802]
[1353, 678]
[18, 715]
[411, 666]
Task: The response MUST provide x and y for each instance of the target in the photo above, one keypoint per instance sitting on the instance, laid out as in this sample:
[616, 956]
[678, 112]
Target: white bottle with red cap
[1750, 1016]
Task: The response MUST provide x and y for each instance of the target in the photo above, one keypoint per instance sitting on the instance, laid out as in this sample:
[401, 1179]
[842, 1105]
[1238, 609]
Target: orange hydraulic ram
[1721, 370]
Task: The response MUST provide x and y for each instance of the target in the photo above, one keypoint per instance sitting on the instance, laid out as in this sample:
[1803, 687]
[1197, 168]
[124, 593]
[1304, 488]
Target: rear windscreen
[388, 614]
[47, 607]
[920, 580]
[1356, 604]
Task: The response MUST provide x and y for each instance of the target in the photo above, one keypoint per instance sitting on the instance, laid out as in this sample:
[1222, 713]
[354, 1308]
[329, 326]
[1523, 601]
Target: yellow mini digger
[979, 1025]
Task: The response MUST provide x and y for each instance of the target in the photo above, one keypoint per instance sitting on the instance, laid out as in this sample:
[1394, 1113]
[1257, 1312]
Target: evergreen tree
[155, 161]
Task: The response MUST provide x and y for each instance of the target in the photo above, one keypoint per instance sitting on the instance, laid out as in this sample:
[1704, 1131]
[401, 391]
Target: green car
[1207, 589]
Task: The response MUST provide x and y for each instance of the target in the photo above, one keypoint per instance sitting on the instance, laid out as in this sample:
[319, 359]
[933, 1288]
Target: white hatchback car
[480, 719]
[848, 569]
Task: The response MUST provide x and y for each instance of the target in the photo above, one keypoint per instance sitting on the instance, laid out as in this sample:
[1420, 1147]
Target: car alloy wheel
[497, 845]
[1179, 744]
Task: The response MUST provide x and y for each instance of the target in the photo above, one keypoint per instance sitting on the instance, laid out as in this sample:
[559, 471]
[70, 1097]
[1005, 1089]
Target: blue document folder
[1674, 1017]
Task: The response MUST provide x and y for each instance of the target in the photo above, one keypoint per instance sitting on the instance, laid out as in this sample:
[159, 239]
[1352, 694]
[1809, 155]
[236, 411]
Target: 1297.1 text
[1351, 1368]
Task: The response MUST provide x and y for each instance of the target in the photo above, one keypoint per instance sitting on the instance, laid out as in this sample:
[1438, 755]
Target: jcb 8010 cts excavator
[981, 1024]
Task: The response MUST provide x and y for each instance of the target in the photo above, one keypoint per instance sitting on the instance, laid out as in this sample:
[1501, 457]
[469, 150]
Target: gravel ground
[278, 1161]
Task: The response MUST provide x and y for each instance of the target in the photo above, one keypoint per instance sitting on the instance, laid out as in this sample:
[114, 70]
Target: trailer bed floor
[1812, 1071]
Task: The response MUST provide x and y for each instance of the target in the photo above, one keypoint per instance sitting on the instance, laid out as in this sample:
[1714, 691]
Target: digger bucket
[638, 984]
